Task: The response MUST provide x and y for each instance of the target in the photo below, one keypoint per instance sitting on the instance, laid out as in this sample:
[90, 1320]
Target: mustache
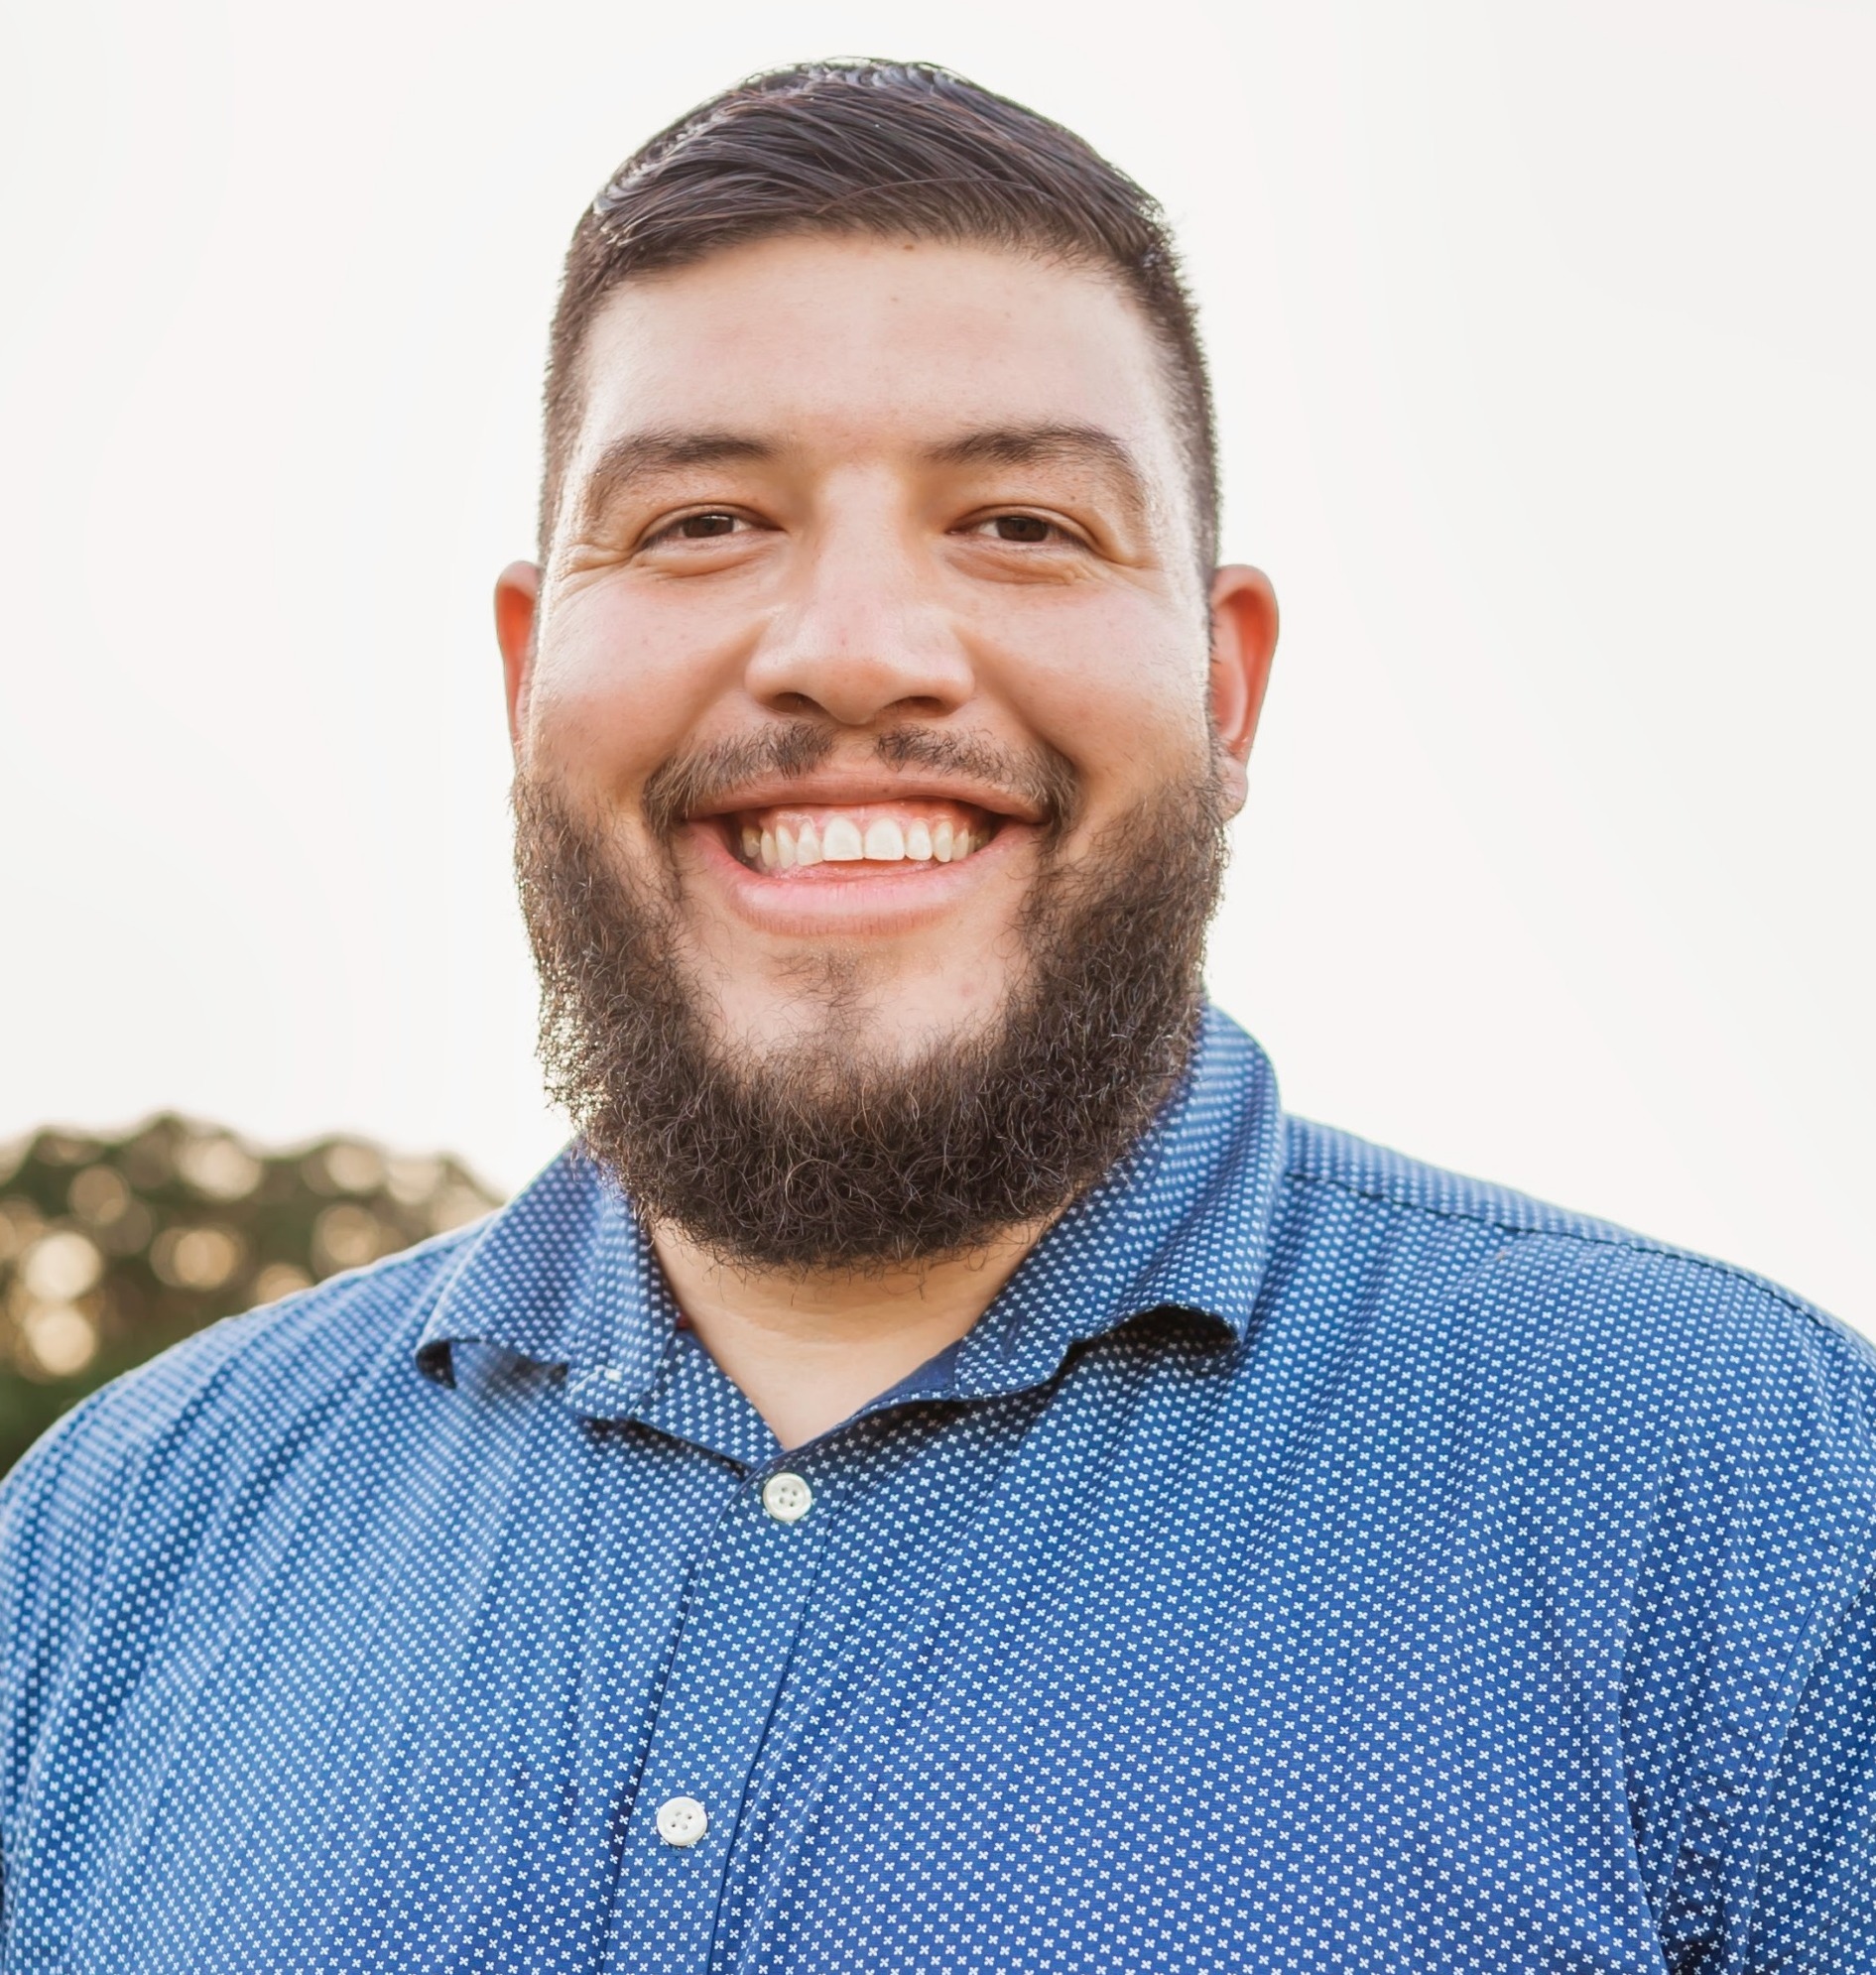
[1039, 777]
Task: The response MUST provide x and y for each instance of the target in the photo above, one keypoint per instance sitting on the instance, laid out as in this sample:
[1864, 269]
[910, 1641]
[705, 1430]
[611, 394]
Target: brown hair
[897, 148]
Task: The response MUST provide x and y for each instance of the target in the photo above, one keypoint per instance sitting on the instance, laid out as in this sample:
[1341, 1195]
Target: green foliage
[111, 1249]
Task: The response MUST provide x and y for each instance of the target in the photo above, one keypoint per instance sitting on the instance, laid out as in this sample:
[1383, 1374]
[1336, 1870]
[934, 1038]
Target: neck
[807, 1351]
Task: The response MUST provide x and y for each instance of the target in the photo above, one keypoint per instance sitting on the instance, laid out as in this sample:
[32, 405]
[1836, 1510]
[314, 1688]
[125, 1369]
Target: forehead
[838, 347]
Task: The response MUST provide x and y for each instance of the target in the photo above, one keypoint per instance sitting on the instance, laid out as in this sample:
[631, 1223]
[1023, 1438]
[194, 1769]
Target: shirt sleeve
[56, 1524]
[1750, 1702]
[1815, 1876]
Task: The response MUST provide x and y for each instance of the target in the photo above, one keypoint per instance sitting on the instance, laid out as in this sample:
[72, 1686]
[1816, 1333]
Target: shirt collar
[1182, 1220]
[565, 1275]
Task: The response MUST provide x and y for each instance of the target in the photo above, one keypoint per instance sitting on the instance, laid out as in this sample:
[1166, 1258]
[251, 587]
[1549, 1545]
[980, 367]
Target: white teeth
[842, 844]
[885, 841]
[840, 841]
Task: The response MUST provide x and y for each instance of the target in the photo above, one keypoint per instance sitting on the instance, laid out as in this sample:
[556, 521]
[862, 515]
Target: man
[947, 1476]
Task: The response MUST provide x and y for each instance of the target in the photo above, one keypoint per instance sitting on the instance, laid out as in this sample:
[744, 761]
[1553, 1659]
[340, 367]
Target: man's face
[872, 600]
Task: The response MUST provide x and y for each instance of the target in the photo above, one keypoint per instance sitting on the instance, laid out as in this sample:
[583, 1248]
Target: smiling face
[871, 597]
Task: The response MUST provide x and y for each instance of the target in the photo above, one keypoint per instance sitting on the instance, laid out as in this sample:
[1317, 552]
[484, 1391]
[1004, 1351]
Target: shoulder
[1593, 1315]
[111, 1501]
[237, 1392]
[1331, 1172]
[294, 1349]
[164, 1477]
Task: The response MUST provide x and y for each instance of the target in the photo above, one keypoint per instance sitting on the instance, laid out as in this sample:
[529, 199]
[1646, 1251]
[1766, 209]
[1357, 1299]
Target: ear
[1244, 643]
[517, 598]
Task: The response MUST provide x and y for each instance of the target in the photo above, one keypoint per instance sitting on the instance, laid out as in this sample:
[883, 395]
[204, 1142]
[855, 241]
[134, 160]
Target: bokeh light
[61, 1338]
[59, 1266]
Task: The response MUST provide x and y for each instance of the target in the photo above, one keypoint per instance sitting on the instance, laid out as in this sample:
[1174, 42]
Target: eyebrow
[634, 458]
[1050, 446]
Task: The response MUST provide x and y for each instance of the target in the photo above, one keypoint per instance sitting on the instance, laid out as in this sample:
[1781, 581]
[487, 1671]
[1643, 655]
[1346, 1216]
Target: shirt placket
[729, 1657]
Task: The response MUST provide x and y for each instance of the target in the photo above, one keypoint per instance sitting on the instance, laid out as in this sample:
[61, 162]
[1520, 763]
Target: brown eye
[1021, 527]
[700, 526]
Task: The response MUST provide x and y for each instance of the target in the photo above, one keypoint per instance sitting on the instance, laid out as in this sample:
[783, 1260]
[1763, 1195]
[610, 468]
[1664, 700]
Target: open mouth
[780, 840]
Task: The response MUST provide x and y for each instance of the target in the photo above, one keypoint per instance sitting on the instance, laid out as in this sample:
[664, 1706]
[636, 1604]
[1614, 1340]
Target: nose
[862, 638]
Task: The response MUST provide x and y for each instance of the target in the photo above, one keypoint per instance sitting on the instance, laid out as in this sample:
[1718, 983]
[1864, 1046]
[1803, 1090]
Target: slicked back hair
[892, 149]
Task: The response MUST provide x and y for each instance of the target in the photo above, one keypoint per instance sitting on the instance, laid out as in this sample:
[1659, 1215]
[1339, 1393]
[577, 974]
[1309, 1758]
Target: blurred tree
[114, 1247]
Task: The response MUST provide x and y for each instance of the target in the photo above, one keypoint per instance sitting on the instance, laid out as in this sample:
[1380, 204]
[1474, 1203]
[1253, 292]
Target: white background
[1543, 340]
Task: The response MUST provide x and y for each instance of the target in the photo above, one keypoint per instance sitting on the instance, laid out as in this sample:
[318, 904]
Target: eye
[1023, 528]
[710, 525]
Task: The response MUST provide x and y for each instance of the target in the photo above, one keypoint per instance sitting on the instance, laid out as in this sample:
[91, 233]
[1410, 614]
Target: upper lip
[834, 788]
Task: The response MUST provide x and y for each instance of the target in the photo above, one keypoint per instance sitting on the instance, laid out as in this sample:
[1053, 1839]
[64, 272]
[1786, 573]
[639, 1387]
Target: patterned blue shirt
[1311, 1562]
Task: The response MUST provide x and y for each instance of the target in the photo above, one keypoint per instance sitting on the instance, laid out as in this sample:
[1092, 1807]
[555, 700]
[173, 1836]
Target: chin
[882, 1023]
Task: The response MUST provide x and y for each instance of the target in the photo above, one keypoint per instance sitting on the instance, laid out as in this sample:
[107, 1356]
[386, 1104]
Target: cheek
[616, 692]
[1124, 702]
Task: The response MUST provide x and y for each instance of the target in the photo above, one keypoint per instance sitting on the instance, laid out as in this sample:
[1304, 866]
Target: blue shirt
[1311, 1562]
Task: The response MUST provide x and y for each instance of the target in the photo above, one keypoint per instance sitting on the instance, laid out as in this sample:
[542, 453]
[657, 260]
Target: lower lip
[851, 897]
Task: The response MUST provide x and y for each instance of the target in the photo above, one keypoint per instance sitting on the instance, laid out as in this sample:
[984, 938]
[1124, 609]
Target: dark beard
[817, 1156]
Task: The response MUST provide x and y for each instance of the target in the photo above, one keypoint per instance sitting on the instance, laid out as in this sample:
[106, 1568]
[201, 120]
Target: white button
[787, 1497]
[681, 1820]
